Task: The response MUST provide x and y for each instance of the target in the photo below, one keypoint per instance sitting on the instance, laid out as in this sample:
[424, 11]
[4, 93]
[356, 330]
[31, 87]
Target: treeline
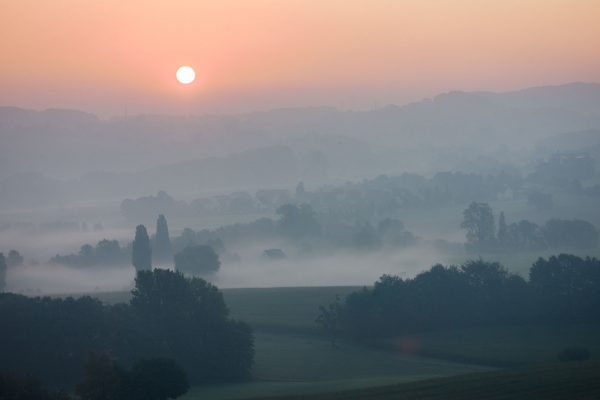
[105, 252]
[369, 199]
[563, 289]
[169, 315]
[301, 225]
[482, 236]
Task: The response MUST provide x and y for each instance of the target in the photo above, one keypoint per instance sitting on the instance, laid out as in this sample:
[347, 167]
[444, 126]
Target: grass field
[293, 364]
[291, 358]
[569, 381]
[292, 309]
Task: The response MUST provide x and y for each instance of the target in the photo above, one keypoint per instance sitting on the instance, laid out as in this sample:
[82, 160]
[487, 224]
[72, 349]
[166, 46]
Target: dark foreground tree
[197, 260]
[330, 320]
[103, 379]
[141, 256]
[15, 387]
[571, 234]
[189, 321]
[561, 290]
[169, 315]
[162, 242]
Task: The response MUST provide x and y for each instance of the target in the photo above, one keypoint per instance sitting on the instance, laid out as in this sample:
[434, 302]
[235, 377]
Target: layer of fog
[42, 279]
[340, 268]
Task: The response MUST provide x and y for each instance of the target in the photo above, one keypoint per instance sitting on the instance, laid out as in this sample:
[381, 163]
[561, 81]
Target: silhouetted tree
[561, 290]
[391, 232]
[106, 252]
[574, 234]
[189, 319]
[162, 243]
[300, 191]
[526, 235]
[14, 259]
[168, 316]
[148, 379]
[197, 260]
[566, 288]
[103, 379]
[141, 251]
[297, 222]
[2, 272]
[502, 231]
[479, 223]
[330, 319]
[15, 387]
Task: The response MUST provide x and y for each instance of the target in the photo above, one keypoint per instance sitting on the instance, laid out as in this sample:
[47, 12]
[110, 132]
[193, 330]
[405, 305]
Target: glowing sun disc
[185, 75]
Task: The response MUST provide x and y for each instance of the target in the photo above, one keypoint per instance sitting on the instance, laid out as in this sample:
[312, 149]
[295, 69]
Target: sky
[112, 57]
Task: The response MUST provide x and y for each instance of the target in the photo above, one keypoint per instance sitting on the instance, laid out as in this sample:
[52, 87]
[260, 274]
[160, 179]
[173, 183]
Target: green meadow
[292, 358]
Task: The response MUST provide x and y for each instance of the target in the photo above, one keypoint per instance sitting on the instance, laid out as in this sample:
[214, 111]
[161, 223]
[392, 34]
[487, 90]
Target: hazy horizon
[113, 58]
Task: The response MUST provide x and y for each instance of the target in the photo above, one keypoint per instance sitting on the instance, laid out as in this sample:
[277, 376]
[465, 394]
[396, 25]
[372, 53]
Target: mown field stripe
[549, 381]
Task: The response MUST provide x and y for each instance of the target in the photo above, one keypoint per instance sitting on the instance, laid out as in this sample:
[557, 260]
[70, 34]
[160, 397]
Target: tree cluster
[563, 289]
[106, 252]
[169, 316]
[148, 379]
[198, 260]
[19, 387]
[524, 235]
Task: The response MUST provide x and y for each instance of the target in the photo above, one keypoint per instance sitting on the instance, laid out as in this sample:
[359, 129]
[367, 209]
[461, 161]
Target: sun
[185, 75]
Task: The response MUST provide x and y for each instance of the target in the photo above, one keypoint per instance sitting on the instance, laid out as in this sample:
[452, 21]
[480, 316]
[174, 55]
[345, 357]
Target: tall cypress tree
[162, 244]
[141, 252]
[502, 232]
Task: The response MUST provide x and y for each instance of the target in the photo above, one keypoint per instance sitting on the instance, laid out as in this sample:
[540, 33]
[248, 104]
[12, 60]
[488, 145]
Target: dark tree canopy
[14, 259]
[502, 231]
[169, 316]
[162, 243]
[148, 379]
[574, 234]
[102, 379]
[165, 295]
[330, 319]
[17, 387]
[141, 256]
[298, 221]
[106, 252]
[191, 322]
[197, 260]
[561, 290]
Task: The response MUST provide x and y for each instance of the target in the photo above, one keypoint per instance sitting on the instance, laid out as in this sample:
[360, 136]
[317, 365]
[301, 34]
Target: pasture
[292, 358]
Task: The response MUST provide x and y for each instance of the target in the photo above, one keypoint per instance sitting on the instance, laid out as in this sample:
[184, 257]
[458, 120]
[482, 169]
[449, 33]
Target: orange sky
[107, 55]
